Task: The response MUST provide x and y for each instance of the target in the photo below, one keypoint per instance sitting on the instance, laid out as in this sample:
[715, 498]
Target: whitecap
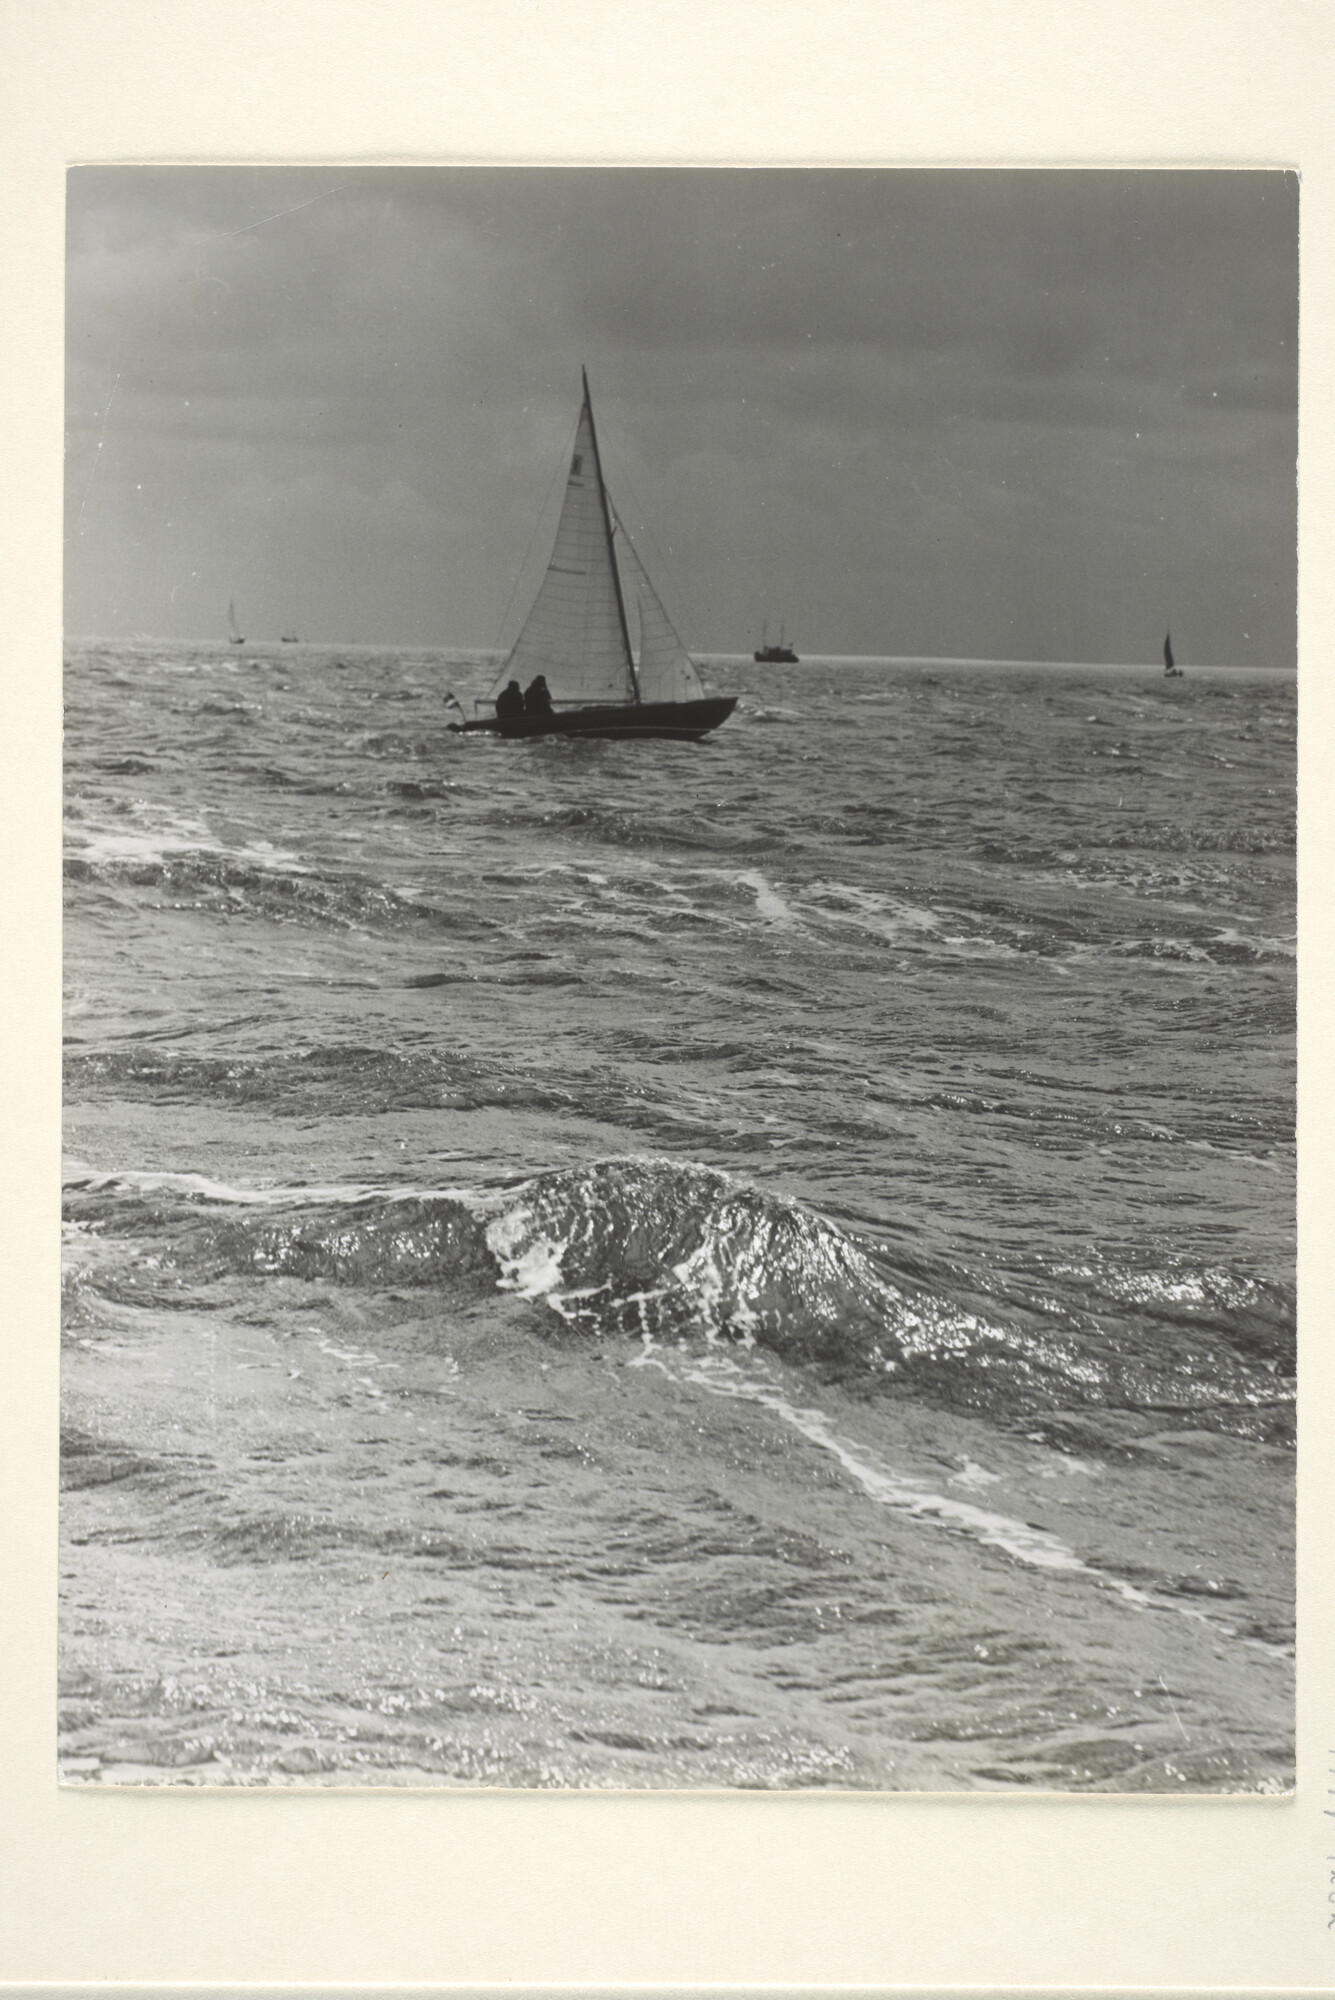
[769, 902]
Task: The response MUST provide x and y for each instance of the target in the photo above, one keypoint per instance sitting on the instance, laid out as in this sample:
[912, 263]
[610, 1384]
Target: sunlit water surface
[767, 1263]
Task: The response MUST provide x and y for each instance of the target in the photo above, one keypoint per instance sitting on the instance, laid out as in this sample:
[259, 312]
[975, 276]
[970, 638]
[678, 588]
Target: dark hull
[776, 656]
[687, 721]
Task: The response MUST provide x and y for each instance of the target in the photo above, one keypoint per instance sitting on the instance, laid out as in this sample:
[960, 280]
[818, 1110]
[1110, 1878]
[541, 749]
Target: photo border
[571, 1892]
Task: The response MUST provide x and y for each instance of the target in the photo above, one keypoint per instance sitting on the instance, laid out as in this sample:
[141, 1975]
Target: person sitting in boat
[537, 697]
[509, 702]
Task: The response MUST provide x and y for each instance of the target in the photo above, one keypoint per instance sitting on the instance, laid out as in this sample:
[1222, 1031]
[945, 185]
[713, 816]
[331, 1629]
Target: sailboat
[576, 641]
[774, 656]
[238, 638]
[1171, 672]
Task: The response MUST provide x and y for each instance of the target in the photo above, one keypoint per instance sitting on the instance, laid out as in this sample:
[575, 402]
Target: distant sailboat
[1171, 672]
[781, 655]
[238, 637]
[574, 655]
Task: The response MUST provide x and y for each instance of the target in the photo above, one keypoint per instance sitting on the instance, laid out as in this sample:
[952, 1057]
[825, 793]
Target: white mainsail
[665, 669]
[575, 634]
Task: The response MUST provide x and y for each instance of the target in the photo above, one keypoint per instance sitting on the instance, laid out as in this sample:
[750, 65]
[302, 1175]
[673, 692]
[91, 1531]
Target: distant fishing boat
[238, 638]
[781, 655]
[1171, 672]
[287, 639]
[573, 670]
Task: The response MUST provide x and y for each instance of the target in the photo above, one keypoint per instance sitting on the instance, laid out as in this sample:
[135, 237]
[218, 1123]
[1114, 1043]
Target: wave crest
[671, 1252]
[666, 1250]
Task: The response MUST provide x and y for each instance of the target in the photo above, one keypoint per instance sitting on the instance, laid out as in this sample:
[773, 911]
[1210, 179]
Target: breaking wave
[670, 1254]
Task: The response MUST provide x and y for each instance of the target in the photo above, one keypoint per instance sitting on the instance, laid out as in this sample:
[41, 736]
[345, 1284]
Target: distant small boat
[1171, 672]
[781, 655]
[287, 639]
[588, 677]
[238, 637]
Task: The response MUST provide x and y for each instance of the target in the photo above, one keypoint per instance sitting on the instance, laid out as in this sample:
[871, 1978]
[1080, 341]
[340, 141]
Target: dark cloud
[923, 411]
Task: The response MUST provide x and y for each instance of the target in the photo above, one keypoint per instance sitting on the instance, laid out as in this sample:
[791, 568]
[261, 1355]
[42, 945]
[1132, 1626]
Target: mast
[607, 528]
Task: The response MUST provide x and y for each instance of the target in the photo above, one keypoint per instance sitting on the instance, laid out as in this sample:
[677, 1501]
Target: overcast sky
[983, 414]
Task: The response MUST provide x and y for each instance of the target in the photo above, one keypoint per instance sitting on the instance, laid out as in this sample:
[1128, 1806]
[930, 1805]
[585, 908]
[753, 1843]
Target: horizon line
[698, 653]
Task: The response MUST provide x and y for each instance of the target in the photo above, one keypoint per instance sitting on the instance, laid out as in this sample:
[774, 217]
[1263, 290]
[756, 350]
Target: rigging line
[674, 623]
[647, 534]
[541, 515]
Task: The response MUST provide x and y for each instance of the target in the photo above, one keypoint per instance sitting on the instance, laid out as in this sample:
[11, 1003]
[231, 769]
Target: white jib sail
[574, 633]
[666, 670]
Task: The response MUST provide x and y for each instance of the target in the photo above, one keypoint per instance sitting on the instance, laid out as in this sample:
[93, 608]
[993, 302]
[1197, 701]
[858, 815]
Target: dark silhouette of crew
[537, 697]
[509, 703]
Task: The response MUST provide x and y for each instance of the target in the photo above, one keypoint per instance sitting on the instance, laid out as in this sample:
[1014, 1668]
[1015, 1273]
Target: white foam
[895, 921]
[79, 1174]
[158, 835]
[533, 1272]
[354, 1357]
[76, 1174]
[889, 1488]
[769, 902]
[1263, 947]
[974, 1476]
[538, 1271]
[701, 1278]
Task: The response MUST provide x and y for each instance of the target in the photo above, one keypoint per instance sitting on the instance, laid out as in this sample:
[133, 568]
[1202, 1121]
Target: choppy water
[762, 1263]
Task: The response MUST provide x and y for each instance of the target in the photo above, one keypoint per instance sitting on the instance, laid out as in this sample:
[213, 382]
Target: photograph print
[679, 979]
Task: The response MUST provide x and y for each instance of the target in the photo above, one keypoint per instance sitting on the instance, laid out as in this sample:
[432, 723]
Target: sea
[766, 1263]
